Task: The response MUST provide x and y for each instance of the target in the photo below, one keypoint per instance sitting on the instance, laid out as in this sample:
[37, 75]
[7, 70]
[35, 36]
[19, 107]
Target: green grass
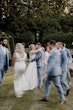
[30, 100]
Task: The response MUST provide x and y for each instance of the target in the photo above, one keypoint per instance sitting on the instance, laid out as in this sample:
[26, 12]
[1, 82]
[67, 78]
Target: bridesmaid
[46, 57]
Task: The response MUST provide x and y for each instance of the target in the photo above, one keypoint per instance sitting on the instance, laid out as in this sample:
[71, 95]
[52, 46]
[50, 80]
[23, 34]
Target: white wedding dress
[31, 74]
[20, 83]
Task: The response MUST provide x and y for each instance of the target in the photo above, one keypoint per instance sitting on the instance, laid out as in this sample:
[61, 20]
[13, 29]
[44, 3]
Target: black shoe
[67, 92]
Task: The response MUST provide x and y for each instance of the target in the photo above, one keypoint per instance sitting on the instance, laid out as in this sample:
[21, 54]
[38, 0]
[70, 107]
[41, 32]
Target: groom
[53, 73]
[39, 61]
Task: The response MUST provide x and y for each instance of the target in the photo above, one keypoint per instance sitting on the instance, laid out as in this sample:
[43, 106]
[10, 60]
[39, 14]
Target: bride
[19, 63]
[31, 71]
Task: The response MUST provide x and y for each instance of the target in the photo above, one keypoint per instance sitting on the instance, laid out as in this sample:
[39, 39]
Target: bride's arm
[13, 60]
[36, 51]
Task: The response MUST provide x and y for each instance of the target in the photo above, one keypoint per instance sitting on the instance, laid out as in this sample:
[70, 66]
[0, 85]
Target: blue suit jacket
[69, 55]
[1, 58]
[53, 66]
[64, 59]
[39, 59]
[6, 63]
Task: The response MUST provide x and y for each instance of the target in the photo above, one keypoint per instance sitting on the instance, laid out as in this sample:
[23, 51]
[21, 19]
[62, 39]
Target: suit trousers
[3, 71]
[68, 74]
[1, 75]
[63, 81]
[57, 82]
[39, 72]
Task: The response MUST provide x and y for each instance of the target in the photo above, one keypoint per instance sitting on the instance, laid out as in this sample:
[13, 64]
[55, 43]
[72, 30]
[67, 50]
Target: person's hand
[62, 70]
[6, 71]
[33, 52]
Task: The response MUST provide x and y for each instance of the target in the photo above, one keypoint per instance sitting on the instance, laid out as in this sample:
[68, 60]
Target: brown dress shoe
[62, 102]
[39, 88]
[44, 100]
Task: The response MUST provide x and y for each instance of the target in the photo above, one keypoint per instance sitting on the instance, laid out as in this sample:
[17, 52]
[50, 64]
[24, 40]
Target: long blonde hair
[19, 48]
[31, 46]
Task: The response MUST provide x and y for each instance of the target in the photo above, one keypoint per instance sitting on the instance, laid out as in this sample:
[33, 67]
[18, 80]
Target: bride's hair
[31, 46]
[19, 48]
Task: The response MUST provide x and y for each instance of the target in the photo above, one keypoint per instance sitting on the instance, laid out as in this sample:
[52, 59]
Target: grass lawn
[30, 100]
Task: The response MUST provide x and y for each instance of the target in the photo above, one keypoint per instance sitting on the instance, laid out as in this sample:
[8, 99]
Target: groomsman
[1, 61]
[69, 61]
[5, 54]
[54, 73]
[64, 66]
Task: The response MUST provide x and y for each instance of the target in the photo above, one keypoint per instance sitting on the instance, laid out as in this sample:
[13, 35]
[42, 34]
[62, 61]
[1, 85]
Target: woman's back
[20, 58]
[20, 64]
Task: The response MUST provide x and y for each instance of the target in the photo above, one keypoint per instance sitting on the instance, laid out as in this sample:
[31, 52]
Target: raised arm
[35, 51]
[38, 55]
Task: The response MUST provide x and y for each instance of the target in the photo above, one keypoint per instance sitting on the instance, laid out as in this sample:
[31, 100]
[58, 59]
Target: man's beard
[3, 45]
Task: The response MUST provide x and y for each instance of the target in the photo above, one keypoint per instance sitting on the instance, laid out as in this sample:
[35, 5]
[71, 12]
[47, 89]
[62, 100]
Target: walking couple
[30, 78]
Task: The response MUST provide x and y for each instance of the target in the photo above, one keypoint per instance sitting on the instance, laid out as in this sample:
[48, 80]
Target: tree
[47, 17]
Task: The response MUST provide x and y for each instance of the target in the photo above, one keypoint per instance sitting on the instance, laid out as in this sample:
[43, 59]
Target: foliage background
[24, 18]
